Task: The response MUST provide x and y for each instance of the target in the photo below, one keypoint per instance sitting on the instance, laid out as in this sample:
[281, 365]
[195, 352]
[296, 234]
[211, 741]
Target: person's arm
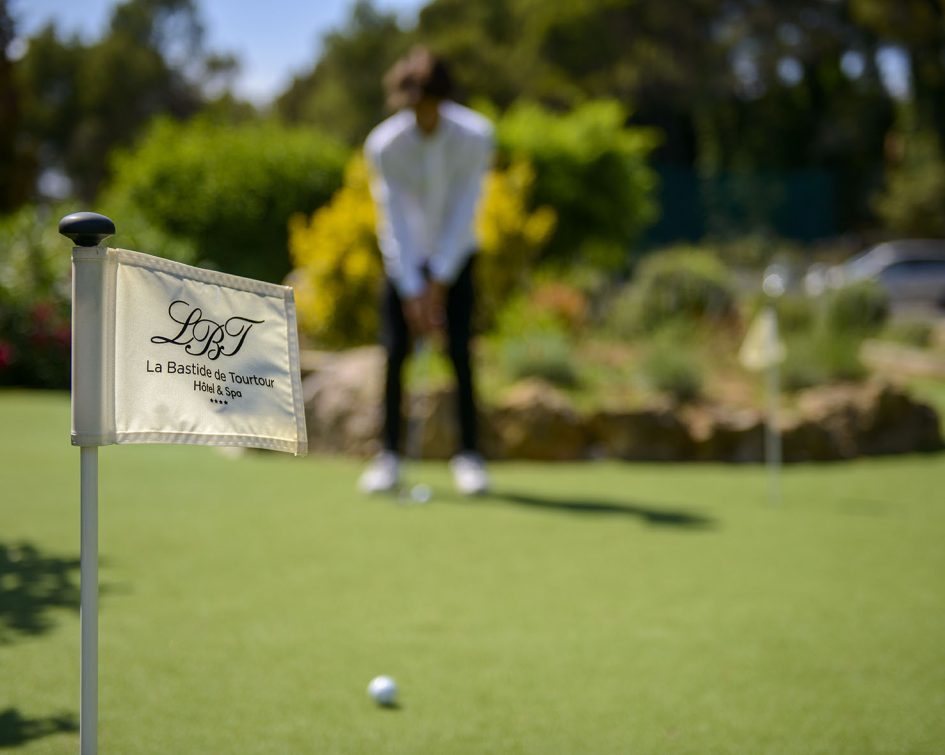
[398, 247]
[451, 250]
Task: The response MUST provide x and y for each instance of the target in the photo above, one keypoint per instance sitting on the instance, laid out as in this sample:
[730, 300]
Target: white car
[912, 272]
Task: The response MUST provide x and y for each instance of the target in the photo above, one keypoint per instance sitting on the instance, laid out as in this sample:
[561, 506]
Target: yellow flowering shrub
[338, 265]
[338, 268]
[510, 237]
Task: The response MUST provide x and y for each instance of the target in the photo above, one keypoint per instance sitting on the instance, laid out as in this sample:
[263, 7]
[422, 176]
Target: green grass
[598, 608]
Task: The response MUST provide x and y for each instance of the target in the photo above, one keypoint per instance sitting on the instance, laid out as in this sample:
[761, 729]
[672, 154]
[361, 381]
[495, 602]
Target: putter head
[408, 495]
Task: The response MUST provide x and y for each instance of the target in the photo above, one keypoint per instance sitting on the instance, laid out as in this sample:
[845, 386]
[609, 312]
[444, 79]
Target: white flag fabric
[762, 347]
[168, 353]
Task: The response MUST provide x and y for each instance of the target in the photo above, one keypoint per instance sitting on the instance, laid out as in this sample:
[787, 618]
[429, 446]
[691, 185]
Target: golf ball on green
[421, 493]
[383, 690]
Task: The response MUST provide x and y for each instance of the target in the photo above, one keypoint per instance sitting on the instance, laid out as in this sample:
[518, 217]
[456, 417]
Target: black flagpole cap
[86, 228]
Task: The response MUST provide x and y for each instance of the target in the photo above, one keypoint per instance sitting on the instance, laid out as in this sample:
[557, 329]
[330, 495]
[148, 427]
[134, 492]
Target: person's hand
[426, 313]
[415, 309]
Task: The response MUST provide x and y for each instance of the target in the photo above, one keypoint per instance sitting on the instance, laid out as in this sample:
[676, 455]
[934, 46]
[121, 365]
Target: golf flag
[168, 353]
[762, 347]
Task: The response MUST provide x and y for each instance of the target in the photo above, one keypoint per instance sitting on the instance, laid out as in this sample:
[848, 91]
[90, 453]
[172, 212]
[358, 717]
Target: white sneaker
[469, 473]
[383, 474]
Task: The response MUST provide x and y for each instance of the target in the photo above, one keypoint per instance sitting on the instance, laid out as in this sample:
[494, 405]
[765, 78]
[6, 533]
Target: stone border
[536, 421]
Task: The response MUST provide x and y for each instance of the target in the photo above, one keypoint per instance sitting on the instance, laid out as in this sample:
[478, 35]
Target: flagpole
[774, 285]
[87, 229]
[773, 436]
[88, 602]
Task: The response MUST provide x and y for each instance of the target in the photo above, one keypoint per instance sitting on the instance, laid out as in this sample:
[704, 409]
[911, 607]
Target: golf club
[416, 423]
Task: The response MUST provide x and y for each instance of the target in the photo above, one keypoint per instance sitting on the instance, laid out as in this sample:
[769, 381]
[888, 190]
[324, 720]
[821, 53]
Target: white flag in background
[168, 353]
[762, 347]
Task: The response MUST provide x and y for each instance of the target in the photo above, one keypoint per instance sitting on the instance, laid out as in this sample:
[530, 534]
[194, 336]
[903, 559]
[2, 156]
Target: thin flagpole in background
[87, 229]
[774, 286]
[773, 435]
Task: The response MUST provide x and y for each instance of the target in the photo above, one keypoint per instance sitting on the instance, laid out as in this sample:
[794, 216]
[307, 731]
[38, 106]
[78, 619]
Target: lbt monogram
[200, 336]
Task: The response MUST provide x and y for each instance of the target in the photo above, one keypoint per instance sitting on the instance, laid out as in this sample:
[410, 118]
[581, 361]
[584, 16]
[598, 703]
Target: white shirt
[426, 188]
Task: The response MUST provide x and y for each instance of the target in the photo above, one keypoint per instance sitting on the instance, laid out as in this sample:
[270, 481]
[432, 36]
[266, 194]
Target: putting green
[583, 608]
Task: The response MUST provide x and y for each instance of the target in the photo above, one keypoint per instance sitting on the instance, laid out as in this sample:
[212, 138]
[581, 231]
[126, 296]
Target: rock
[344, 407]
[536, 421]
[808, 440]
[726, 434]
[656, 434]
[867, 419]
[343, 401]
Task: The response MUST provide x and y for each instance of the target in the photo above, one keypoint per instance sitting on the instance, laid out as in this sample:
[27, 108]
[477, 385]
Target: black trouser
[396, 338]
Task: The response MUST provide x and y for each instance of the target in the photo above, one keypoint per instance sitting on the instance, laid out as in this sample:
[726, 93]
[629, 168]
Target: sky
[273, 39]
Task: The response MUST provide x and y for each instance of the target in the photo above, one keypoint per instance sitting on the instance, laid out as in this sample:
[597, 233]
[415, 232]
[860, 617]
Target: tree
[343, 95]
[15, 170]
[592, 170]
[919, 27]
[485, 45]
[81, 101]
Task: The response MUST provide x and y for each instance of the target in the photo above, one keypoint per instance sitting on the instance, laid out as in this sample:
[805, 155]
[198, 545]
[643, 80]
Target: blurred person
[427, 163]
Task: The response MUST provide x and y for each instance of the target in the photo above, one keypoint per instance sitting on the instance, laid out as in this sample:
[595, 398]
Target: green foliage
[592, 170]
[672, 367]
[35, 332]
[917, 333]
[512, 233]
[754, 250]
[536, 329]
[824, 338]
[912, 202]
[821, 356]
[484, 42]
[15, 168]
[338, 269]
[796, 313]
[80, 101]
[859, 309]
[547, 354]
[683, 284]
[228, 190]
[547, 304]
[343, 94]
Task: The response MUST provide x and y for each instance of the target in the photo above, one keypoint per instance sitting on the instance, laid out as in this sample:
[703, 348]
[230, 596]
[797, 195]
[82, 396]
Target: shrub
[229, 190]
[672, 367]
[35, 332]
[859, 309]
[911, 204]
[511, 237]
[797, 313]
[547, 304]
[917, 333]
[755, 250]
[545, 354]
[681, 284]
[821, 357]
[338, 264]
[592, 169]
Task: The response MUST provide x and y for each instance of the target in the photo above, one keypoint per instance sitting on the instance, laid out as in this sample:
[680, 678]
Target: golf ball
[421, 493]
[383, 690]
